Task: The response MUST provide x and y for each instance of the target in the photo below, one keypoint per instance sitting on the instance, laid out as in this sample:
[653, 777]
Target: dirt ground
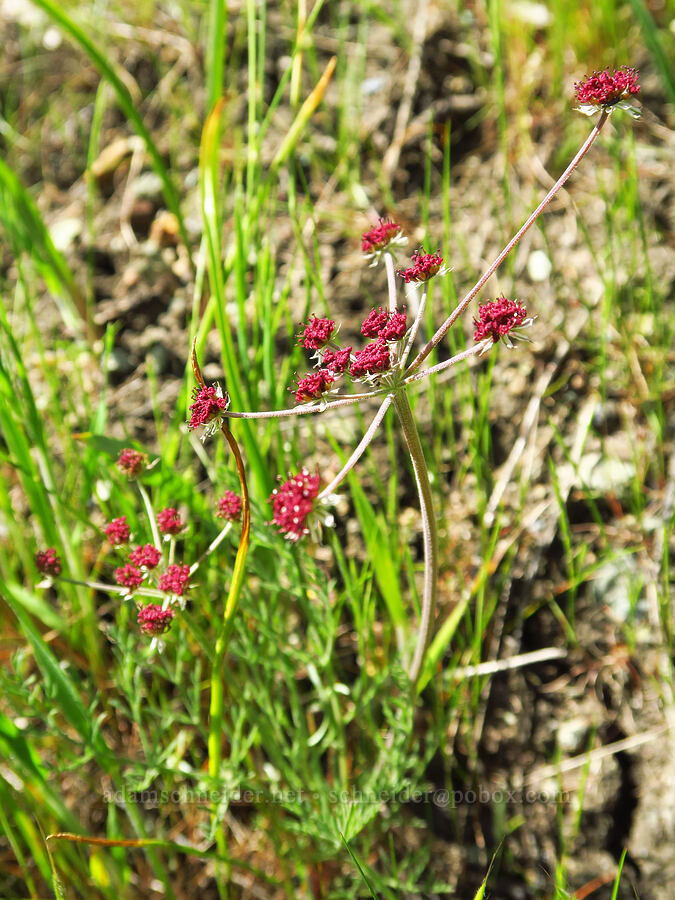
[603, 695]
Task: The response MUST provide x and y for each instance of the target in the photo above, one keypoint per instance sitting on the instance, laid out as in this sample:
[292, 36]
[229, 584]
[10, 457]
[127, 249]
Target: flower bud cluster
[374, 360]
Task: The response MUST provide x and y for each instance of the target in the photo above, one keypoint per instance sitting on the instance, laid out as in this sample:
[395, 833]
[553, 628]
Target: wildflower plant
[149, 571]
[381, 370]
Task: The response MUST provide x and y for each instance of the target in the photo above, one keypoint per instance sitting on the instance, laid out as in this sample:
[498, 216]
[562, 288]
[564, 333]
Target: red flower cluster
[373, 359]
[425, 265]
[175, 579]
[117, 531]
[375, 322]
[604, 90]
[337, 361]
[147, 556]
[378, 238]
[317, 333]
[132, 462]
[154, 620]
[314, 385]
[292, 503]
[382, 324]
[497, 318]
[129, 576]
[207, 407]
[48, 562]
[169, 521]
[229, 507]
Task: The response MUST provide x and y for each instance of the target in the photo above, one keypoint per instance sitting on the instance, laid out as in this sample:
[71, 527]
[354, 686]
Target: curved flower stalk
[208, 411]
[380, 369]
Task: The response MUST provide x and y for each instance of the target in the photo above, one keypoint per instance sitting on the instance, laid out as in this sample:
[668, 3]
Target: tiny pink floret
[229, 507]
[314, 385]
[117, 531]
[48, 562]
[207, 407]
[604, 90]
[132, 462]
[153, 620]
[169, 521]
[175, 579]
[317, 333]
[147, 556]
[424, 267]
[497, 318]
[379, 236]
[372, 360]
[293, 502]
[129, 576]
[337, 361]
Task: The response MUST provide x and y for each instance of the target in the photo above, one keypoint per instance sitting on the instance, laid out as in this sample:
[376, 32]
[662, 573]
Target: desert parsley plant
[341, 375]
[380, 369]
[386, 366]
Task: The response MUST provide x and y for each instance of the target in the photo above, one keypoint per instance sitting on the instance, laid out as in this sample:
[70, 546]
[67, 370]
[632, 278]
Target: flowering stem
[151, 515]
[222, 641]
[415, 325]
[358, 452]
[212, 546]
[301, 410]
[429, 533]
[476, 350]
[450, 321]
[391, 280]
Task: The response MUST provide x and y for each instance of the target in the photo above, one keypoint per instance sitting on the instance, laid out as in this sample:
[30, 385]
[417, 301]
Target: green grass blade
[27, 233]
[215, 51]
[359, 867]
[64, 691]
[379, 554]
[209, 169]
[653, 37]
[441, 640]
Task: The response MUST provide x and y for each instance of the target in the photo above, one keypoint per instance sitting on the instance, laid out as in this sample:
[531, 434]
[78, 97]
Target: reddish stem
[452, 318]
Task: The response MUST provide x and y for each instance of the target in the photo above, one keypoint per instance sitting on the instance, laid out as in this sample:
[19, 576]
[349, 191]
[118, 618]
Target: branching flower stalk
[382, 364]
[380, 371]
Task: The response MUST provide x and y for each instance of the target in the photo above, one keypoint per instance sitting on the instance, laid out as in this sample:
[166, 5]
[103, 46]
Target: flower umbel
[229, 507]
[395, 328]
[209, 404]
[175, 579]
[48, 562]
[314, 385]
[293, 502]
[117, 531]
[424, 266]
[381, 236]
[372, 360]
[317, 333]
[129, 576]
[604, 91]
[169, 521]
[497, 319]
[154, 620]
[147, 556]
[375, 322]
[132, 462]
[337, 361]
